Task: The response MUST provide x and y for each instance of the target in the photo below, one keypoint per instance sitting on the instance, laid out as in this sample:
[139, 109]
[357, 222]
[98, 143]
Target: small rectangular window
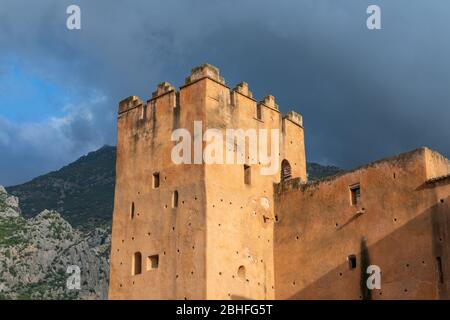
[152, 262]
[351, 261]
[175, 199]
[132, 210]
[156, 180]
[258, 112]
[355, 193]
[439, 269]
[136, 263]
[247, 174]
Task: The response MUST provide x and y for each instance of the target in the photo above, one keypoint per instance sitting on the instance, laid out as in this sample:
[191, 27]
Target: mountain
[317, 171]
[83, 191]
[36, 255]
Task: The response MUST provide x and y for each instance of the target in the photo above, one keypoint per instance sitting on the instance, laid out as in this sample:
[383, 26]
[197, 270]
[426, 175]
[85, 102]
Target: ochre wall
[401, 225]
[177, 235]
[240, 216]
[221, 222]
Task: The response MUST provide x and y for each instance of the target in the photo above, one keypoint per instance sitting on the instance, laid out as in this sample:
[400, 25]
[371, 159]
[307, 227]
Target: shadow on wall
[413, 264]
[366, 294]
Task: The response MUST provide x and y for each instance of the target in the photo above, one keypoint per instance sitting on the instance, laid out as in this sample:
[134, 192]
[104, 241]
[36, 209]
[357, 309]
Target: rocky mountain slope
[82, 192]
[35, 254]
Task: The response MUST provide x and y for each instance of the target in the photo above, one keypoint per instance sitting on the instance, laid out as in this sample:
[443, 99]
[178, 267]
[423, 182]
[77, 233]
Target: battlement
[242, 88]
[208, 71]
[269, 101]
[205, 71]
[163, 88]
[294, 117]
[129, 103]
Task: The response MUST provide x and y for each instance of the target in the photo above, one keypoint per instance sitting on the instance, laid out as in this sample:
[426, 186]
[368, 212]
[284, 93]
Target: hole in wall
[258, 112]
[155, 180]
[152, 262]
[286, 171]
[136, 264]
[351, 261]
[355, 194]
[175, 199]
[247, 174]
[132, 210]
[241, 272]
[439, 269]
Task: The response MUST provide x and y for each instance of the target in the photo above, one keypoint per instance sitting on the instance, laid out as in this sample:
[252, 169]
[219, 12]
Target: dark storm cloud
[363, 94]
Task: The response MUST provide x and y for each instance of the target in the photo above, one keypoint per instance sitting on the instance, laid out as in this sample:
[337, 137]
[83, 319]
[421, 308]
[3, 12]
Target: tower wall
[176, 235]
[221, 223]
[241, 216]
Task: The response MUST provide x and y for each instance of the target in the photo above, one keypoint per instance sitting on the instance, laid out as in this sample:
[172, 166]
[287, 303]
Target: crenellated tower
[197, 230]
